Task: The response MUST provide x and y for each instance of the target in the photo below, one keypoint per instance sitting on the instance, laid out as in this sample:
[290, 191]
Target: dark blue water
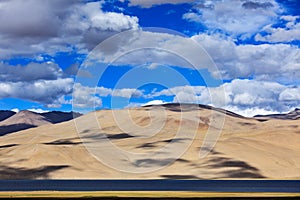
[291, 186]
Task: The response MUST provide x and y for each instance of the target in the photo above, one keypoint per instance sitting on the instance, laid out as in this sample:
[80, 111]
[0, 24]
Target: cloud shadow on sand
[232, 168]
[63, 142]
[8, 145]
[9, 172]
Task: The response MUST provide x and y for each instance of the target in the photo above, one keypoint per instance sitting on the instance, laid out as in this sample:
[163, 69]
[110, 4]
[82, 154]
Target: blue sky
[242, 55]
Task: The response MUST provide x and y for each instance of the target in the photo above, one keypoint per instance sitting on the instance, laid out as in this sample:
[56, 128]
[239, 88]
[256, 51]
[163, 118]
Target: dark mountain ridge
[4, 114]
[184, 107]
[181, 107]
[293, 115]
[58, 116]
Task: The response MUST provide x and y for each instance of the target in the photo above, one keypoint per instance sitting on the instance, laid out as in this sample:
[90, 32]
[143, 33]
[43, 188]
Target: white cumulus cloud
[239, 18]
[43, 83]
[290, 32]
[246, 97]
[33, 27]
[89, 97]
[38, 110]
[48, 92]
[218, 54]
[262, 62]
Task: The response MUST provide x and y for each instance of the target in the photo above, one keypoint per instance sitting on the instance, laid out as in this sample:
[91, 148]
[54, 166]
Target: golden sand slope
[247, 148]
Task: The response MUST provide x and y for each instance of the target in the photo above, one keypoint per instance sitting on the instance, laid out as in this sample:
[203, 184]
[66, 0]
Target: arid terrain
[262, 147]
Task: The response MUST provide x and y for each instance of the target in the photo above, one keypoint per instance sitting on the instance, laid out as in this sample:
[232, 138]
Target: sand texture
[247, 148]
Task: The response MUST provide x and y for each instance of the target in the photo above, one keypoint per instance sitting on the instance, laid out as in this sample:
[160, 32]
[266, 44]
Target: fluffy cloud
[48, 92]
[98, 25]
[124, 92]
[30, 72]
[150, 3]
[84, 97]
[187, 89]
[88, 97]
[44, 83]
[262, 62]
[246, 97]
[259, 16]
[192, 17]
[250, 112]
[127, 93]
[144, 47]
[290, 95]
[239, 18]
[290, 32]
[31, 27]
[38, 110]
[15, 110]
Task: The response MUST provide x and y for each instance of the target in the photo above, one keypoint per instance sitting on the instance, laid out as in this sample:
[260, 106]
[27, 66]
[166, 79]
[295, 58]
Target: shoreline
[140, 194]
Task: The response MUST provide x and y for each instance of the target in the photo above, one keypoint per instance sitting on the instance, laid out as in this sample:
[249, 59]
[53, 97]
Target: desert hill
[25, 119]
[247, 148]
[182, 107]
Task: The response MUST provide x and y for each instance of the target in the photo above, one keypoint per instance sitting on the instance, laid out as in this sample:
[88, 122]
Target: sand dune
[247, 148]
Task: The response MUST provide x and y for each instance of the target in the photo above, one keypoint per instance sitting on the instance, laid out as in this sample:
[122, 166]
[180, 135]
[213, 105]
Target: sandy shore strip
[160, 194]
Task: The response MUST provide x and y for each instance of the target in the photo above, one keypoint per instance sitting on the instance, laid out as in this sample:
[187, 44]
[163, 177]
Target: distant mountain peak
[24, 119]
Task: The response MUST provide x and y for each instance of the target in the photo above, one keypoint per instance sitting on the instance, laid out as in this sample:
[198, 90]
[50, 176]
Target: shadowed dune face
[246, 149]
[14, 128]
